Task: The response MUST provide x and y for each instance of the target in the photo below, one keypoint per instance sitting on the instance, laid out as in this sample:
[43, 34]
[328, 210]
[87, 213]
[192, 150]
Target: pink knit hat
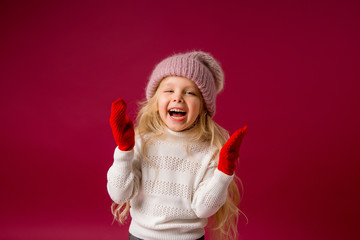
[200, 67]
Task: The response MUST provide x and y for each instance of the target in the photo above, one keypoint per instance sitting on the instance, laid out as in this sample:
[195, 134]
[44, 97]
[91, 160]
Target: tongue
[175, 114]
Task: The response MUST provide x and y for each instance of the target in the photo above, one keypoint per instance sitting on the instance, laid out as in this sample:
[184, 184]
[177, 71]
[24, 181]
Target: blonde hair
[223, 224]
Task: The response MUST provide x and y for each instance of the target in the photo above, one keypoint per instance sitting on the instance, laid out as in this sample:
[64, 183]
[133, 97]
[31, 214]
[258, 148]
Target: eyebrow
[171, 85]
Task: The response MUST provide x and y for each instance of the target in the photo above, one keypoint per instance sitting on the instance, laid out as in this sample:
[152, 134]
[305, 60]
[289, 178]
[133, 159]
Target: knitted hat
[200, 67]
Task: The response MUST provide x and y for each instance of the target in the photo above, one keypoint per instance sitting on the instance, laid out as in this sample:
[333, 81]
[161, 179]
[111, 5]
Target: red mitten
[230, 152]
[122, 126]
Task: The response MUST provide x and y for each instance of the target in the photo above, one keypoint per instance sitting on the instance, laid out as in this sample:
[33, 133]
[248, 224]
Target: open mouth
[177, 113]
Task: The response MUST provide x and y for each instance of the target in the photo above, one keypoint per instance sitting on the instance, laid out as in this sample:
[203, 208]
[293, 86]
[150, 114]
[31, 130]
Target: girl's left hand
[230, 152]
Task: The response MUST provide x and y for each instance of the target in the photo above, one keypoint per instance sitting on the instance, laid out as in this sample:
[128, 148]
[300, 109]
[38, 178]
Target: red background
[292, 75]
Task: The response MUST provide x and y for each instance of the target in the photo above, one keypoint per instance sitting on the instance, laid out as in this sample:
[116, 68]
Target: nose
[177, 98]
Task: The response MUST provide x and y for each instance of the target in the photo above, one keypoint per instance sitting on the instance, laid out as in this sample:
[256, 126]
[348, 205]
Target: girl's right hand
[121, 125]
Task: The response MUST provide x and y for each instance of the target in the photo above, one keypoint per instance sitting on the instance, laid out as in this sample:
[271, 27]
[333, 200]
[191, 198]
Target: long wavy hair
[223, 224]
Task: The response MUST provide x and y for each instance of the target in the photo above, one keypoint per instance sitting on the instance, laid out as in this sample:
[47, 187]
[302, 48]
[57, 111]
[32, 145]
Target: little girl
[176, 170]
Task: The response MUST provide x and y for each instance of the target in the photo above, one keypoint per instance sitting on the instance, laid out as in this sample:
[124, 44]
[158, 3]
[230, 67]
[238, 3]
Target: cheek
[196, 107]
[161, 105]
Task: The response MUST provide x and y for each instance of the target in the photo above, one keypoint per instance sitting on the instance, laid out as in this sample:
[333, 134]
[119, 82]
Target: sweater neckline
[182, 134]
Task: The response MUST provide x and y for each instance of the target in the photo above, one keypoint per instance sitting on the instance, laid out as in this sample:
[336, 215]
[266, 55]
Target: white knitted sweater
[172, 196]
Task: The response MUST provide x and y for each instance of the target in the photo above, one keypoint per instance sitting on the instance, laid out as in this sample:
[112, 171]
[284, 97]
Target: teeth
[176, 110]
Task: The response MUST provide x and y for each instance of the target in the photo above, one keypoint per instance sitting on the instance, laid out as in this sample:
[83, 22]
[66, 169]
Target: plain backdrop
[292, 75]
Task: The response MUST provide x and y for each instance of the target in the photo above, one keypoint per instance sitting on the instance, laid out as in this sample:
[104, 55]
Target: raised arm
[123, 176]
[212, 191]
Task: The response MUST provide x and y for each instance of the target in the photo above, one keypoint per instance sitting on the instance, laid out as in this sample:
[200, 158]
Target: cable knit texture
[174, 193]
[230, 152]
[200, 67]
[121, 125]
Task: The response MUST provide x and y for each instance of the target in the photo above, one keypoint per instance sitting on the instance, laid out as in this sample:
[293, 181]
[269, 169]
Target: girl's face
[179, 102]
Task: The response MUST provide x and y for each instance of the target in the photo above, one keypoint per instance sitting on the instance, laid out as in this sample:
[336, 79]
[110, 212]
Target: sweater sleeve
[211, 193]
[123, 176]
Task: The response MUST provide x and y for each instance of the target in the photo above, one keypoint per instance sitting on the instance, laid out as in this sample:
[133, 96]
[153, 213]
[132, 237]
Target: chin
[176, 129]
